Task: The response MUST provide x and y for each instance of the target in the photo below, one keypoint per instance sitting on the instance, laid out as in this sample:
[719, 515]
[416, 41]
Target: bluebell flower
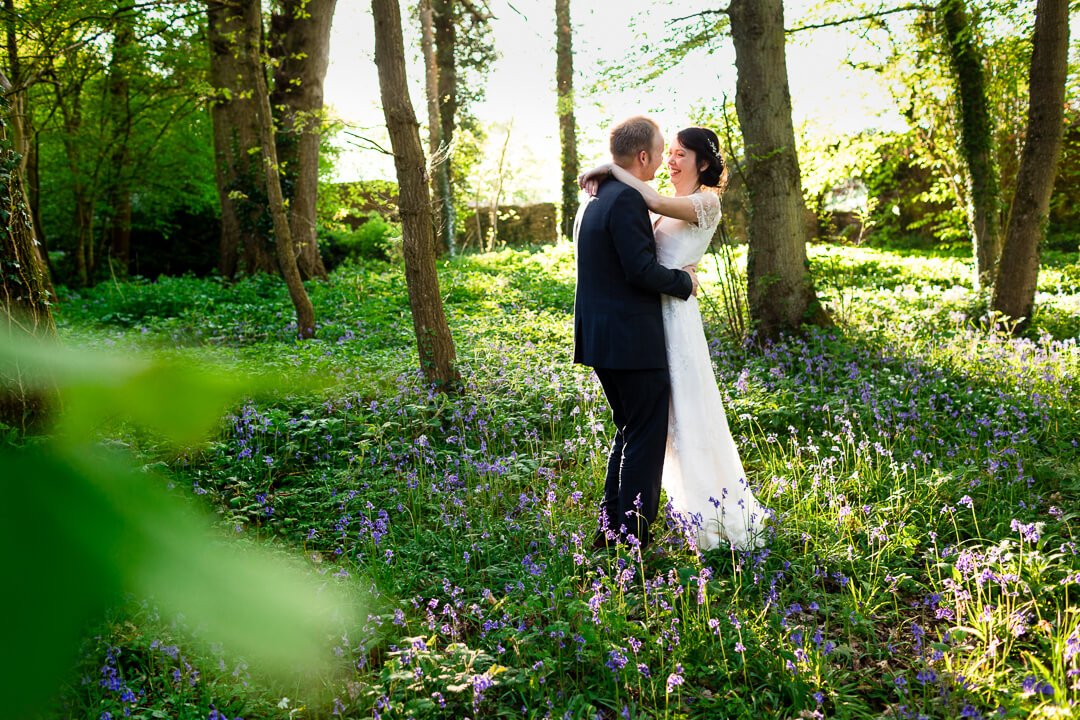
[675, 679]
[616, 661]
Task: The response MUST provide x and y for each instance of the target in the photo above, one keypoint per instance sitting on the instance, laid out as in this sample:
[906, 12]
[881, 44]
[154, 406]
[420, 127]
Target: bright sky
[521, 85]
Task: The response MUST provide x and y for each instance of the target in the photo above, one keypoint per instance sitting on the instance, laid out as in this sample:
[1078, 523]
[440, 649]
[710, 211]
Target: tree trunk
[1018, 271]
[434, 343]
[438, 151]
[85, 262]
[302, 47]
[24, 140]
[33, 194]
[780, 289]
[446, 78]
[17, 128]
[25, 290]
[564, 77]
[71, 113]
[248, 45]
[120, 118]
[445, 46]
[238, 173]
[120, 229]
[496, 195]
[983, 191]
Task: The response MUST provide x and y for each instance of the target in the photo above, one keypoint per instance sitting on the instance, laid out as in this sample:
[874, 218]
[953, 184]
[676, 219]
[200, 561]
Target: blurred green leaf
[81, 531]
[82, 527]
[55, 537]
[180, 402]
[182, 399]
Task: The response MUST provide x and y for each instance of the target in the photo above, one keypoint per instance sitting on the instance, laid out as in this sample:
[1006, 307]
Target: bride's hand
[590, 180]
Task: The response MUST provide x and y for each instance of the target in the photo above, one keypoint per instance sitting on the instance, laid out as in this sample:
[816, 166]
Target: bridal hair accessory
[712, 146]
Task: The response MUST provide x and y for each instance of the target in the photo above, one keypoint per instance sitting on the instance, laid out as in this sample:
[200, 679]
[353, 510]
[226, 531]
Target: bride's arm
[681, 208]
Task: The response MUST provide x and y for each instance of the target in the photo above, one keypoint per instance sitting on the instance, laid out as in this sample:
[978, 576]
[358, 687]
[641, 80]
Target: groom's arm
[632, 234]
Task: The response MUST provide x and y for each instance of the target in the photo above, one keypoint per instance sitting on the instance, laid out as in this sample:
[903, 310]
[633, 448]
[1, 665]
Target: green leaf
[182, 399]
[79, 531]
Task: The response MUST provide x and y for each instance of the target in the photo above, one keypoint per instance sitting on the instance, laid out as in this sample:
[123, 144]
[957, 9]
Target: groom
[619, 330]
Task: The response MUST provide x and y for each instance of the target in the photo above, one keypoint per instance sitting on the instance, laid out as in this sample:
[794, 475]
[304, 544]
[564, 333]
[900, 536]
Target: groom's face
[656, 156]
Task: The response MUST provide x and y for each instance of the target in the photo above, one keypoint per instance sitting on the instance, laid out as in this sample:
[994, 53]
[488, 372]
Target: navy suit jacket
[617, 319]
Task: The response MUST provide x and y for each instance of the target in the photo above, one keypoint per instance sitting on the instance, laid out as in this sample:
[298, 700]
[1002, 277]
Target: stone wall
[516, 226]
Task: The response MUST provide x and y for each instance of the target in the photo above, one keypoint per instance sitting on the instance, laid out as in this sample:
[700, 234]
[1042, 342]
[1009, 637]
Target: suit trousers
[639, 402]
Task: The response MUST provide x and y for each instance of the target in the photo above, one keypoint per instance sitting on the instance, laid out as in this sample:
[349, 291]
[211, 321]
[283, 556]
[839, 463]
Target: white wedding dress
[703, 475]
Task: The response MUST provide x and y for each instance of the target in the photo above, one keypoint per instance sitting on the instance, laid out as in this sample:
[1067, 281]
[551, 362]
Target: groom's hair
[631, 136]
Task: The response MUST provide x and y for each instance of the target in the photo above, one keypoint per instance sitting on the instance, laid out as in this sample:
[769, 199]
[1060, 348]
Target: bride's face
[682, 165]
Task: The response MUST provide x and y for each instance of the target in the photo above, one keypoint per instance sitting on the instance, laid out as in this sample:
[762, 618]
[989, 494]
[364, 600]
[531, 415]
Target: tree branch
[703, 14]
[371, 144]
[478, 15]
[869, 16]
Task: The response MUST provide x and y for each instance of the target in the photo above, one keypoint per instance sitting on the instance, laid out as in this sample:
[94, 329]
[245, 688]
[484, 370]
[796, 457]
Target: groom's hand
[691, 270]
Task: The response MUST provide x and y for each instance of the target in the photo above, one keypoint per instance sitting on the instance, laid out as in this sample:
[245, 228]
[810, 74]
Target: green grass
[924, 471]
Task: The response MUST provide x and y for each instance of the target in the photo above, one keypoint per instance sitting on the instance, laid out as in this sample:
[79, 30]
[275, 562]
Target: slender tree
[301, 32]
[446, 78]
[977, 137]
[438, 151]
[1018, 270]
[564, 75]
[119, 114]
[250, 54]
[780, 289]
[71, 95]
[463, 52]
[447, 75]
[434, 343]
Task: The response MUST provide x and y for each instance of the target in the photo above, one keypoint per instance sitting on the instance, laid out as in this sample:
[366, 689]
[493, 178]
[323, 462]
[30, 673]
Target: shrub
[913, 204]
[372, 240]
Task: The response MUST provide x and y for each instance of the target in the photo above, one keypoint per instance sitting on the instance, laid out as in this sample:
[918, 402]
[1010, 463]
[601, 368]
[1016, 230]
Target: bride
[703, 475]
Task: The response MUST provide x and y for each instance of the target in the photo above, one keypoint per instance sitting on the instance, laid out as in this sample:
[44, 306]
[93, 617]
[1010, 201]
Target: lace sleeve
[707, 209]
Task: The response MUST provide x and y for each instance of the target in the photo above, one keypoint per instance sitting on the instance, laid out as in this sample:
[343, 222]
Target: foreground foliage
[83, 526]
[923, 469]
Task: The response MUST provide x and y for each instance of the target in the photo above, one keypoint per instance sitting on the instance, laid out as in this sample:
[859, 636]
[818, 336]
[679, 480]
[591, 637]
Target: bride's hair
[706, 147]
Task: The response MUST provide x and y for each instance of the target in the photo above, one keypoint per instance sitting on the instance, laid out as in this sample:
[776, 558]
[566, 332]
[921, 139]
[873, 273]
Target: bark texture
[24, 139]
[302, 47]
[238, 172]
[25, 289]
[434, 343]
[564, 77]
[780, 290]
[977, 138]
[33, 193]
[1018, 270]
